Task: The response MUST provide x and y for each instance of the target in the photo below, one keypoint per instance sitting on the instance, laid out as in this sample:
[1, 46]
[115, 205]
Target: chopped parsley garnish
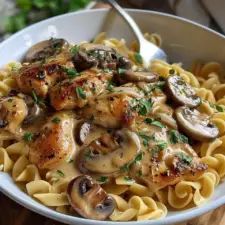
[145, 138]
[71, 72]
[160, 146]
[56, 120]
[138, 58]
[176, 137]
[88, 154]
[121, 71]
[217, 107]
[110, 86]
[138, 157]
[128, 179]
[143, 106]
[36, 99]
[125, 167]
[80, 92]
[103, 179]
[186, 159]
[28, 136]
[60, 173]
[154, 122]
[74, 49]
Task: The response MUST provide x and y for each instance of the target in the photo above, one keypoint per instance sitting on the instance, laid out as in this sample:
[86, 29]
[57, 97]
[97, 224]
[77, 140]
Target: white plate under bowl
[183, 41]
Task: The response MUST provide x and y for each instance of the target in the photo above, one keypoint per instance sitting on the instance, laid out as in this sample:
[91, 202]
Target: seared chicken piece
[77, 92]
[39, 77]
[110, 111]
[54, 143]
[13, 111]
[167, 157]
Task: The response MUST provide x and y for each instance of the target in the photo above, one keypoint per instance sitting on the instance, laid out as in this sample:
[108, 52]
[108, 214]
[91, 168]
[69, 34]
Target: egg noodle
[134, 198]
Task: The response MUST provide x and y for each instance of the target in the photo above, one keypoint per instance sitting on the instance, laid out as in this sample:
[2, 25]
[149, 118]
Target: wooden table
[13, 214]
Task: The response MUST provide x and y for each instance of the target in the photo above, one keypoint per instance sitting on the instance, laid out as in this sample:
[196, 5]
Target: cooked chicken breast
[39, 77]
[13, 111]
[54, 143]
[77, 92]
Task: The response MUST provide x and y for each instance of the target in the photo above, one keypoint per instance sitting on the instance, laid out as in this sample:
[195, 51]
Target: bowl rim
[45, 211]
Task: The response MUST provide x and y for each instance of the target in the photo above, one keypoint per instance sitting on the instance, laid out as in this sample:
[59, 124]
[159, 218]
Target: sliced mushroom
[181, 92]
[82, 131]
[195, 124]
[96, 55]
[88, 198]
[110, 157]
[45, 49]
[131, 76]
[35, 111]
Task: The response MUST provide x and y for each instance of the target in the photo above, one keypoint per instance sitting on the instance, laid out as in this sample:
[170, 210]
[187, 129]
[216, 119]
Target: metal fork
[147, 50]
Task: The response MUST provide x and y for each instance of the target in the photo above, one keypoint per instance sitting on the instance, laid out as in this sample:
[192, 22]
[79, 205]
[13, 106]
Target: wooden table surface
[13, 214]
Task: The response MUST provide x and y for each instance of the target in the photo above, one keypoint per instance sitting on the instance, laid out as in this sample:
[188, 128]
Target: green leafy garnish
[125, 168]
[28, 136]
[128, 179]
[145, 138]
[37, 99]
[60, 173]
[160, 146]
[74, 49]
[138, 157]
[80, 92]
[121, 71]
[217, 107]
[56, 120]
[110, 86]
[186, 159]
[138, 58]
[71, 72]
[143, 106]
[103, 179]
[154, 122]
[176, 137]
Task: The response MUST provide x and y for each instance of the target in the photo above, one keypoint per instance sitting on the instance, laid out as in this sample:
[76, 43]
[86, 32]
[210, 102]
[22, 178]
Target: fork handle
[128, 19]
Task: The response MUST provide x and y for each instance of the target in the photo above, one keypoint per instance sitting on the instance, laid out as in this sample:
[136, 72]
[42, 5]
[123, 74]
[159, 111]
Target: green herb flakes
[184, 158]
[145, 139]
[138, 58]
[71, 72]
[138, 157]
[28, 137]
[60, 173]
[129, 179]
[80, 92]
[176, 137]
[121, 71]
[56, 120]
[74, 49]
[154, 122]
[103, 179]
[143, 106]
[110, 86]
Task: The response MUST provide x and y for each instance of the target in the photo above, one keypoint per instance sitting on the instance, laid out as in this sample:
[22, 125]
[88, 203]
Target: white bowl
[184, 41]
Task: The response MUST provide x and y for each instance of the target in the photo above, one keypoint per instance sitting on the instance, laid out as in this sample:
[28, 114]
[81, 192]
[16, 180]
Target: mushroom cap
[88, 199]
[195, 124]
[44, 49]
[124, 146]
[181, 92]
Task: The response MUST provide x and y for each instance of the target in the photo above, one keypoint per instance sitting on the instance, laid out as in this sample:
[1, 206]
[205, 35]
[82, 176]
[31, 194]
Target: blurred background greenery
[31, 11]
